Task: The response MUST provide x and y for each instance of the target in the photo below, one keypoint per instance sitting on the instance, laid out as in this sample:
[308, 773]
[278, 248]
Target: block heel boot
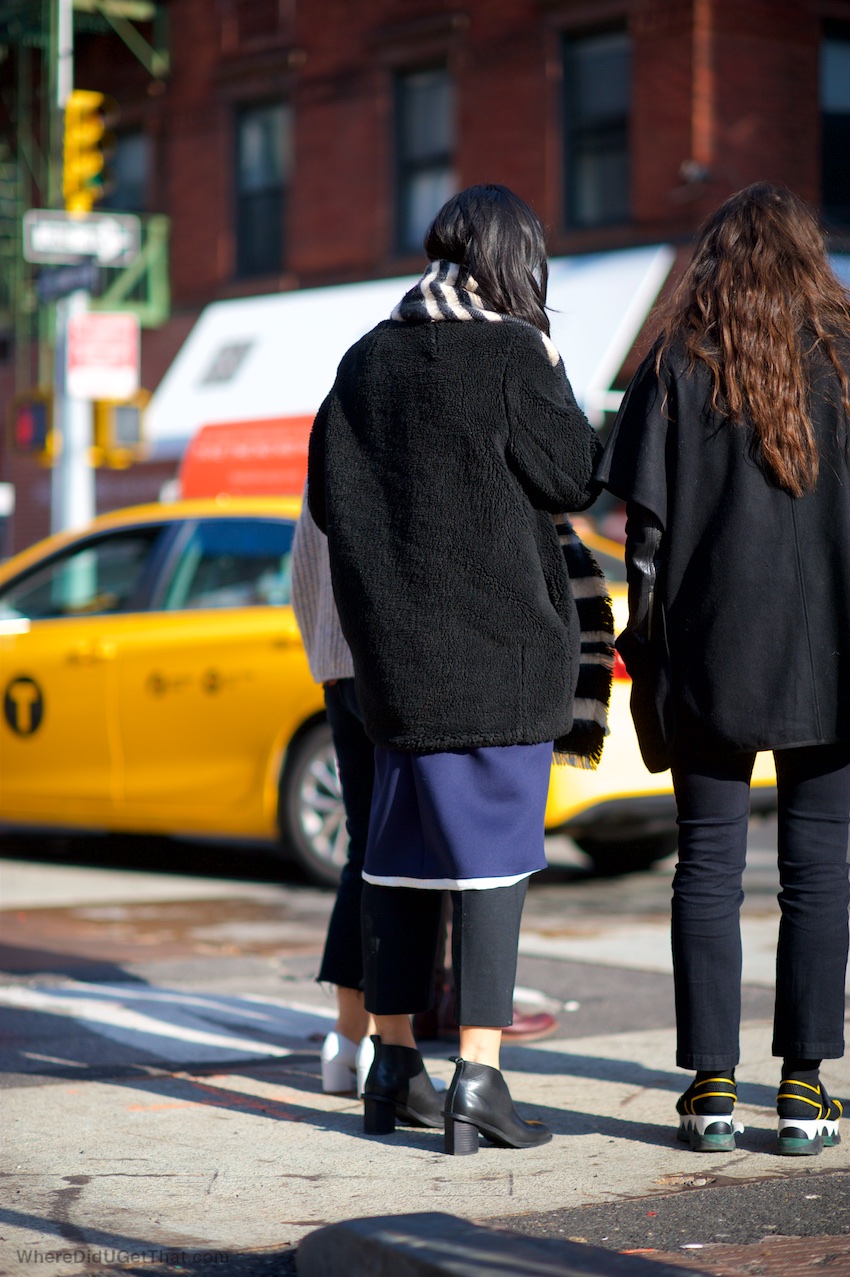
[478, 1102]
[399, 1090]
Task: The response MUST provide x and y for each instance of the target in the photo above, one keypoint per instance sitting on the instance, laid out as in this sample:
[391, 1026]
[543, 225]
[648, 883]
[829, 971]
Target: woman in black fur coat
[732, 451]
[449, 441]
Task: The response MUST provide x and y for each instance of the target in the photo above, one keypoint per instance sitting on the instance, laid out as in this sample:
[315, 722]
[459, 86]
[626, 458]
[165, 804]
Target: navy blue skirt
[467, 818]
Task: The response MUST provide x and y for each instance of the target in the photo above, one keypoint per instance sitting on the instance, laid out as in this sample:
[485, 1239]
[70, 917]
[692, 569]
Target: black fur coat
[436, 462]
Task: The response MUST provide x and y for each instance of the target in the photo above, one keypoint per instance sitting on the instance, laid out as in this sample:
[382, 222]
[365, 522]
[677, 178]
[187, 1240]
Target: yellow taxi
[153, 680]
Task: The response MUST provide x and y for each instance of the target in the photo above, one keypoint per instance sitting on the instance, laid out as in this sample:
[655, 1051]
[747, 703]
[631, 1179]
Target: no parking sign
[103, 356]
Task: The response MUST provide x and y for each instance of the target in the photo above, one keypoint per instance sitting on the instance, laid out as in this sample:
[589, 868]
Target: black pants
[342, 961]
[401, 932]
[712, 798]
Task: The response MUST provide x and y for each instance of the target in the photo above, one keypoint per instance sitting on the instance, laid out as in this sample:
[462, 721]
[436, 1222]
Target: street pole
[72, 495]
[72, 488]
[64, 51]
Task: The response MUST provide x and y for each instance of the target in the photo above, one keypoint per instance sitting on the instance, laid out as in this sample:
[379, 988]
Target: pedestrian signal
[89, 142]
[119, 438]
[31, 423]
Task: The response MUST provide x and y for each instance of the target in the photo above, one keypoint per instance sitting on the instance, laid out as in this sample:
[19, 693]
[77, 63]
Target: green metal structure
[30, 169]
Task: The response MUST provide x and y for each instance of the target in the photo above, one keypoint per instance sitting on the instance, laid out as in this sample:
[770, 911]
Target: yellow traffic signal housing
[31, 425]
[88, 144]
[119, 431]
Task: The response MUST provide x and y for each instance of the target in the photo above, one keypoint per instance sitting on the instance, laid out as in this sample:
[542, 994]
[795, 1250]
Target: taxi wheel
[614, 856]
[310, 811]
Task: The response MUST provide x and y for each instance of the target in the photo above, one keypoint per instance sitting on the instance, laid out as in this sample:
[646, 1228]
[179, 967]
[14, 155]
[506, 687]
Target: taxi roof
[222, 506]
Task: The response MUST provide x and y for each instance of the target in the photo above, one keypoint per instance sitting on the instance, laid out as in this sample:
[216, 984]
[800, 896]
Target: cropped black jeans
[712, 798]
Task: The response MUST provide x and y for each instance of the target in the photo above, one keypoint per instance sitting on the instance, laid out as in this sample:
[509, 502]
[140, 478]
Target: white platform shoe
[345, 1064]
[363, 1063]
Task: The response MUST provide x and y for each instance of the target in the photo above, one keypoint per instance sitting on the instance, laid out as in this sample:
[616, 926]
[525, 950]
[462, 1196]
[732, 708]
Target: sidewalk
[164, 1113]
[253, 1157]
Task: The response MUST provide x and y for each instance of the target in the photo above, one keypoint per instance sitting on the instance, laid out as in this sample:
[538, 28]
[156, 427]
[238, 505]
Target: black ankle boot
[399, 1089]
[479, 1100]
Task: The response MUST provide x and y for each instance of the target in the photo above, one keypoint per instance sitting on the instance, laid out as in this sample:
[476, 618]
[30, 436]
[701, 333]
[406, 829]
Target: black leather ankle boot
[479, 1100]
[399, 1089]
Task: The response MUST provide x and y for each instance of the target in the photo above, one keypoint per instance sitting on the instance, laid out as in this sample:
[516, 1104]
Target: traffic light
[119, 431]
[31, 424]
[88, 144]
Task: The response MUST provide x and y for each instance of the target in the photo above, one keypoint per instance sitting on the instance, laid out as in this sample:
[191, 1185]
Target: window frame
[833, 213]
[243, 240]
[140, 132]
[578, 140]
[407, 169]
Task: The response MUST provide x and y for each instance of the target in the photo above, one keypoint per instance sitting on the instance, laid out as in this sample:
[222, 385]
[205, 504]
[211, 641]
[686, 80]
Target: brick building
[299, 143]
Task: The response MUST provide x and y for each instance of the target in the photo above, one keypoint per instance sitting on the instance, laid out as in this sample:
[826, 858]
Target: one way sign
[54, 238]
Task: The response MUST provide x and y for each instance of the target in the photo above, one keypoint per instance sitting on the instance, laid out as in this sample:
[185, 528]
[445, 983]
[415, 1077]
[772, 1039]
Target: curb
[438, 1245]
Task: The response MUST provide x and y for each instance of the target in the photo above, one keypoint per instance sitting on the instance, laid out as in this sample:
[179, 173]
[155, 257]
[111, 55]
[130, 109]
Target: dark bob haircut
[499, 241]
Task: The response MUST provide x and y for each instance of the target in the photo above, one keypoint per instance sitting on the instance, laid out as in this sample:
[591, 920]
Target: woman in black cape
[731, 453]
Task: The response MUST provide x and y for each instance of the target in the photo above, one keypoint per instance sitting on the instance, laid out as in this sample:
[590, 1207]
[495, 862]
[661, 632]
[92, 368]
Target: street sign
[53, 238]
[59, 281]
[103, 356]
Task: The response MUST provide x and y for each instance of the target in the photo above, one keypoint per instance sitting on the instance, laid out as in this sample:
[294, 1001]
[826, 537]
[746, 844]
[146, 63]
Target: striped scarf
[447, 292]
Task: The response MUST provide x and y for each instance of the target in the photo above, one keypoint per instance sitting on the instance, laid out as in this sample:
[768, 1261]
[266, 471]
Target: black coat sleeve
[316, 467]
[643, 552]
[552, 447]
[634, 464]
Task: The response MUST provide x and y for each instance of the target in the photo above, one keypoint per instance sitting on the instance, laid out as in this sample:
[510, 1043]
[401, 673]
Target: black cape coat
[436, 462]
[753, 584]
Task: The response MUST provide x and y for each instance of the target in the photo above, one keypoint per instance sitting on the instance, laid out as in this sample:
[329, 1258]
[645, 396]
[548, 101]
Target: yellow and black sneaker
[808, 1118]
[705, 1115]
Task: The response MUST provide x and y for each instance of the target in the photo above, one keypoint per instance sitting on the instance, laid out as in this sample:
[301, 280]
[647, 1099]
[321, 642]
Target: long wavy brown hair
[758, 297]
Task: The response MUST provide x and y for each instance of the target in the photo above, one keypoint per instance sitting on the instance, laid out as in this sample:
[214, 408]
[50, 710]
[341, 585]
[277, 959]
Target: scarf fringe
[582, 745]
[446, 291]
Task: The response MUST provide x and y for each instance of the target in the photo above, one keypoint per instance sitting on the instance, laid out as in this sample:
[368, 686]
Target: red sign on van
[247, 458]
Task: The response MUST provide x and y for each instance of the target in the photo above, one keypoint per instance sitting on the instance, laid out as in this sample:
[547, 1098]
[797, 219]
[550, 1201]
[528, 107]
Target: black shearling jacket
[436, 462]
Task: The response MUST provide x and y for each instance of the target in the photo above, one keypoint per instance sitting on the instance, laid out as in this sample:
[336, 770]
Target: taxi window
[98, 577]
[233, 563]
[614, 568]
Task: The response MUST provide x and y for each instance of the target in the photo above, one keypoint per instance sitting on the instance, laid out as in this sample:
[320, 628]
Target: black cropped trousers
[712, 798]
[401, 932]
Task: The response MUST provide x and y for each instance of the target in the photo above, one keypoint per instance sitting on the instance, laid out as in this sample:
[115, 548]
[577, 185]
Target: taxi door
[217, 677]
[57, 679]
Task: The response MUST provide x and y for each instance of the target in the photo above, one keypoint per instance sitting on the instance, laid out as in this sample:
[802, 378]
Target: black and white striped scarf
[447, 291]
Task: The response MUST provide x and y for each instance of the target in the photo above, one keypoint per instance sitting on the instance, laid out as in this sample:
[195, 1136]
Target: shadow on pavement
[95, 1252]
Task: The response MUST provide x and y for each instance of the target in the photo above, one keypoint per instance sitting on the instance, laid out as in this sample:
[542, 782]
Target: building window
[425, 141]
[129, 173]
[263, 163]
[596, 128]
[835, 125]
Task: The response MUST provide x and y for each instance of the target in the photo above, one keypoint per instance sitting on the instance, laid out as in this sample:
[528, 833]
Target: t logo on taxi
[23, 706]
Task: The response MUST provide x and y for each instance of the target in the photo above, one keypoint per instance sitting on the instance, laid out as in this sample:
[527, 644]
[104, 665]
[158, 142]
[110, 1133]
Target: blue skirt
[467, 818]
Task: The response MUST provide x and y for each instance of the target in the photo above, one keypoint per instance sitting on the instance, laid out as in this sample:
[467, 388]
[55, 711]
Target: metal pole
[72, 496]
[64, 52]
[73, 486]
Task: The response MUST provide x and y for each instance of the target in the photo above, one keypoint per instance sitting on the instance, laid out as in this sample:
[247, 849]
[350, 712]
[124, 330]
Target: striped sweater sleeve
[328, 653]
